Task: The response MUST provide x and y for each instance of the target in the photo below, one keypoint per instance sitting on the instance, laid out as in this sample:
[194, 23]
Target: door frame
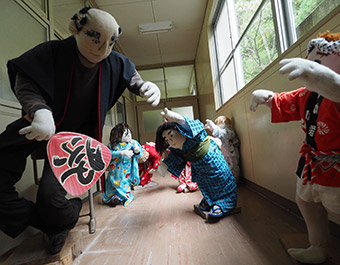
[144, 137]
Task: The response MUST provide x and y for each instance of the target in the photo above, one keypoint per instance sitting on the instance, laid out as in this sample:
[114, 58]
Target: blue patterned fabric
[122, 172]
[211, 173]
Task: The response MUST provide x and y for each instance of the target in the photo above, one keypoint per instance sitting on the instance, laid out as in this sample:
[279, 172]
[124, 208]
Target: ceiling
[175, 47]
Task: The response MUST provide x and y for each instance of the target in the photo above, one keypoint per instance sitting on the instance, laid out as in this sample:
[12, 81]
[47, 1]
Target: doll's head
[96, 32]
[223, 121]
[325, 49]
[120, 133]
[168, 136]
[144, 157]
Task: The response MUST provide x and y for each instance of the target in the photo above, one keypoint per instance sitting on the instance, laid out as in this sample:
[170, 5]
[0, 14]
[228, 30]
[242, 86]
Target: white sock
[312, 255]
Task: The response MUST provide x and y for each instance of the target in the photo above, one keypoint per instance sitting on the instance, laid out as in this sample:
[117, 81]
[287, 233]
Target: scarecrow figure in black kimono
[63, 85]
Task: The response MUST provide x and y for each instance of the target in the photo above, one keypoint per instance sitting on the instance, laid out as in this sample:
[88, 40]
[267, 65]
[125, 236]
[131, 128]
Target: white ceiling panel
[154, 49]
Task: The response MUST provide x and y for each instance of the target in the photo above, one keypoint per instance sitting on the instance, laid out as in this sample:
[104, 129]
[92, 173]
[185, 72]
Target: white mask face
[126, 136]
[331, 60]
[97, 38]
[174, 138]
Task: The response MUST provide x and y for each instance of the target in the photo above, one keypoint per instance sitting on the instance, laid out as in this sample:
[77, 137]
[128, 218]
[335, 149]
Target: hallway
[160, 227]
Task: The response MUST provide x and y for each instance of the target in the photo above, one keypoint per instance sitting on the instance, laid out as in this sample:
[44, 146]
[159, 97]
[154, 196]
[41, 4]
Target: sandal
[215, 211]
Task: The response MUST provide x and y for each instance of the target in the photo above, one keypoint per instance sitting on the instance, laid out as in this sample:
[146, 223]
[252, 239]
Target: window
[174, 81]
[249, 34]
[25, 33]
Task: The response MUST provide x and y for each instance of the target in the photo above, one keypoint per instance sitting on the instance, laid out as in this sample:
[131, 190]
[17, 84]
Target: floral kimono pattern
[122, 172]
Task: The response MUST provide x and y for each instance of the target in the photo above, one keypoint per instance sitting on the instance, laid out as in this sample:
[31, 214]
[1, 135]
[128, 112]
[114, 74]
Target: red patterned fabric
[324, 162]
[185, 179]
[151, 163]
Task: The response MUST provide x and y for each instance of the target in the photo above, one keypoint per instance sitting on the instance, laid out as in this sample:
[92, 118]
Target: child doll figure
[185, 182]
[222, 129]
[148, 162]
[188, 141]
[317, 105]
[123, 168]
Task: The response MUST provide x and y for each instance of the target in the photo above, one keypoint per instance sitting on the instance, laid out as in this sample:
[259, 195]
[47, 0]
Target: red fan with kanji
[77, 160]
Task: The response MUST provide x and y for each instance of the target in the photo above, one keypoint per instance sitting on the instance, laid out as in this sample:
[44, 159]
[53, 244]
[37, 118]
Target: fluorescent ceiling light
[157, 27]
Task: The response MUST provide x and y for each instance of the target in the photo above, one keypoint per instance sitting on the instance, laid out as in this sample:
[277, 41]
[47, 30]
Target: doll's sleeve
[115, 152]
[138, 155]
[175, 163]
[155, 157]
[136, 83]
[29, 95]
[289, 106]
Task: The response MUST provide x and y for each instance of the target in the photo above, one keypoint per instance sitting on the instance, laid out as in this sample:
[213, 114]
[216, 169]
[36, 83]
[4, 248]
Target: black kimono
[54, 68]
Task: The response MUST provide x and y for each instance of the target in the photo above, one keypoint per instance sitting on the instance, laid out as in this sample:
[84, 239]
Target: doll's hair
[117, 133]
[161, 143]
[326, 43]
[84, 16]
[79, 19]
[221, 120]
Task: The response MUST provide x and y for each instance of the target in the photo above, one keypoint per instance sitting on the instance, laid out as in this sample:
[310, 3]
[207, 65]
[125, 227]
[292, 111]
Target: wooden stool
[41, 154]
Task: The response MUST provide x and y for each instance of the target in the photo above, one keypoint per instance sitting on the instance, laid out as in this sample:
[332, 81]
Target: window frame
[285, 36]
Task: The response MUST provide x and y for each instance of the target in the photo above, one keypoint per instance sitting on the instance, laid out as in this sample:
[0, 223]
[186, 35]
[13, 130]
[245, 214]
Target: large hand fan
[77, 160]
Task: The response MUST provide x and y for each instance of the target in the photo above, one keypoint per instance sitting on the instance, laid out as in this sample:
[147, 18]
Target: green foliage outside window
[308, 13]
[258, 47]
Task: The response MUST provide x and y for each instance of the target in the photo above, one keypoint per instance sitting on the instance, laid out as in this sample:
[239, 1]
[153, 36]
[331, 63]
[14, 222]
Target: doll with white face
[230, 143]
[96, 32]
[317, 105]
[188, 141]
[123, 168]
[51, 81]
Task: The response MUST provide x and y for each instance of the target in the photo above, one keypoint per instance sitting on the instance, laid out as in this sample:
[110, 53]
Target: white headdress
[324, 46]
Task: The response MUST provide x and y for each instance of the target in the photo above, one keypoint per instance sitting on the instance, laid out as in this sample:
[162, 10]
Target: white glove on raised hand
[42, 126]
[172, 116]
[210, 126]
[316, 77]
[127, 152]
[162, 169]
[151, 91]
[261, 96]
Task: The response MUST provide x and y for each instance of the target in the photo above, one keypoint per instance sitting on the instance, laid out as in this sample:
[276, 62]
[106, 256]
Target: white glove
[162, 169]
[151, 91]
[136, 148]
[127, 152]
[210, 126]
[42, 126]
[316, 77]
[261, 96]
[172, 116]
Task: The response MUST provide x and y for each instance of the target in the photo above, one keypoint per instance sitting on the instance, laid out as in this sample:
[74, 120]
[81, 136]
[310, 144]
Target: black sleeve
[136, 83]
[28, 95]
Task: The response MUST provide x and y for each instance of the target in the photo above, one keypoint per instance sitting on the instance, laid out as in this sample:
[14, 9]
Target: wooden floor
[160, 227]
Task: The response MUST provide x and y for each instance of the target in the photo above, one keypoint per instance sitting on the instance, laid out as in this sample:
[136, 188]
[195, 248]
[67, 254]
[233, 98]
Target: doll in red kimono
[185, 182]
[317, 105]
[148, 163]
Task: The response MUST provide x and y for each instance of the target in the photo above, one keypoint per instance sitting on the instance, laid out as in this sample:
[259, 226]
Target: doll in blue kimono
[188, 141]
[123, 168]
